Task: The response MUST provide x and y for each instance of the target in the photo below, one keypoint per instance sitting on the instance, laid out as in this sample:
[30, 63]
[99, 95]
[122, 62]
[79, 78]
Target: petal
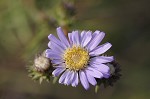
[62, 36]
[70, 39]
[52, 38]
[94, 72]
[96, 33]
[101, 67]
[75, 80]
[67, 79]
[71, 78]
[75, 38]
[100, 49]
[52, 55]
[58, 71]
[95, 41]
[63, 76]
[82, 34]
[62, 65]
[106, 75]
[48, 50]
[91, 79]
[55, 47]
[84, 80]
[57, 61]
[101, 59]
[52, 51]
[86, 38]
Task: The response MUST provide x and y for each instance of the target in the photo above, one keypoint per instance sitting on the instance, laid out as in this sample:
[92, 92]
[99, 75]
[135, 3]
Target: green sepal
[39, 75]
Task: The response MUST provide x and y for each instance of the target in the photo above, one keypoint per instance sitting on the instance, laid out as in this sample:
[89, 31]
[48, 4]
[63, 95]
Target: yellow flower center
[76, 58]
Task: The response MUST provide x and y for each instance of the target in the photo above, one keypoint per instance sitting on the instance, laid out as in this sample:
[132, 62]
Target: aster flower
[78, 58]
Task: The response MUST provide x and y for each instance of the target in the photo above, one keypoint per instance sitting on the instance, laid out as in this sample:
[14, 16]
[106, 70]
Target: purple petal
[62, 36]
[63, 76]
[70, 39]
[53, 55]
[75, 80]
[101, 67]
[94, 72]
[68, 77]
[52, 51]
[84, 80]
[71, 78]
[57, 61]
[82, 34]
[62, 65]
[86, 38]
[58, 71]
[55, 47]
[106, 75]
[101, 59]
[48, 50]
[91, 79]
[52, 38]
[96, 33]
[95, 41]
[75, 38]
[100, 49]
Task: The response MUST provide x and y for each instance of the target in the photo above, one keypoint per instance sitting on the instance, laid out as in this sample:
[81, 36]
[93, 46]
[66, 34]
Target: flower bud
[41, 63]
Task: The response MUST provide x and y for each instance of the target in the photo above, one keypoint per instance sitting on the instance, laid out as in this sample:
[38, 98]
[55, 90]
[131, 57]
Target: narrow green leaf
[40, 80]
[55, 80]
[97, 88]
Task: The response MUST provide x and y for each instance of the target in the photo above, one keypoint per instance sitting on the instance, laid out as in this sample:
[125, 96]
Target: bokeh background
[25, 25]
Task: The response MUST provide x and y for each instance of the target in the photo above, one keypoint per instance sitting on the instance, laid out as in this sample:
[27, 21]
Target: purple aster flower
[77, 59]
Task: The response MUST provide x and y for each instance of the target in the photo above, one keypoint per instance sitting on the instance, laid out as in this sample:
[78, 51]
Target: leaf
[97, 88]
[55, 80]
[40, 80]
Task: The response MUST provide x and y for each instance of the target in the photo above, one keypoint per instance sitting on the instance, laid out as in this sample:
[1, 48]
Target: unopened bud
[41, 63]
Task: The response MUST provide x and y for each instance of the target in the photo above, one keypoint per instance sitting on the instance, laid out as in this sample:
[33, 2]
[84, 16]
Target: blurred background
[25, 25]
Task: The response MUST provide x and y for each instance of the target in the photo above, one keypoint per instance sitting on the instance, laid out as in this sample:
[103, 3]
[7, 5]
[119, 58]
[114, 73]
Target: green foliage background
[25, 25]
